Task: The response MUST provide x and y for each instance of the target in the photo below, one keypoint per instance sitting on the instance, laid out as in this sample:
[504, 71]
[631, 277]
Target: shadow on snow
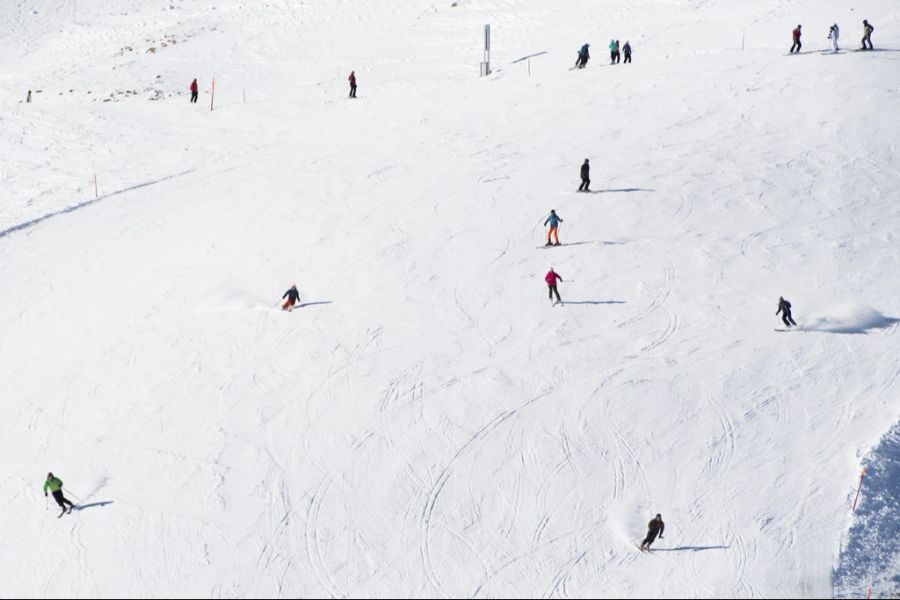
[93, 504]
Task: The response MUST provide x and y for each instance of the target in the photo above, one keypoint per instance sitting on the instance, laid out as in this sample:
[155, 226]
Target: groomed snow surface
[427, 424]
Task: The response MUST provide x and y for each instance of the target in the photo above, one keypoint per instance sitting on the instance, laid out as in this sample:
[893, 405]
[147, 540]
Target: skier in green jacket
[55, 484]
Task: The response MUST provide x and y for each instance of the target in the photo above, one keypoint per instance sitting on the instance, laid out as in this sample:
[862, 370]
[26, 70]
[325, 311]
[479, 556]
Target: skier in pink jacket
[551, 278]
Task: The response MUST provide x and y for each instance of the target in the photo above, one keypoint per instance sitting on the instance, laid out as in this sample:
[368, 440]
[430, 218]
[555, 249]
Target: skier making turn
[654, 528]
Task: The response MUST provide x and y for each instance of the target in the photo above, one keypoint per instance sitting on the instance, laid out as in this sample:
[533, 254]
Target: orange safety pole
[213, 97]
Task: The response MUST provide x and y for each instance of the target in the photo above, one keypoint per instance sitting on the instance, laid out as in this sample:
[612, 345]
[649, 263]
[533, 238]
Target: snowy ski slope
[426, 424]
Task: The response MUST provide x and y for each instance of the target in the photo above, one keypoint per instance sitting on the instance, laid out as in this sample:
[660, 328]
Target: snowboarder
[195, 90]
[290, 297]
[654, 528]
[352, 80]
[626, 50]
[796, 45]
[833, 34]
[585, 177]
[867, 35]
[613, 51]
[55, 484]
[551, 278]
[554, 221]
[784, 307]
[583, 57]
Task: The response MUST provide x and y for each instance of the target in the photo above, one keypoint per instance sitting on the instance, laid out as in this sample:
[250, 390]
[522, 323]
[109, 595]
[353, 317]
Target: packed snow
[426, 423]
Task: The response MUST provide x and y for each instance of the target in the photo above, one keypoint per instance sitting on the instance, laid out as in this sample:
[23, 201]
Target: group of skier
[291, 297]
[615, 54]
[834, 33]
[623, 54]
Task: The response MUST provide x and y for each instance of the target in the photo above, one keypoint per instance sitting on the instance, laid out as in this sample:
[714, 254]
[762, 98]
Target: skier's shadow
[94, 504]
[610, 191]
[691, 548]
[593, 302]
[312, 304]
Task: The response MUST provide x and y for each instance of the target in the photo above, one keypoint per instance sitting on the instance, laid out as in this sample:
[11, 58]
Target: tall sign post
[486, 63]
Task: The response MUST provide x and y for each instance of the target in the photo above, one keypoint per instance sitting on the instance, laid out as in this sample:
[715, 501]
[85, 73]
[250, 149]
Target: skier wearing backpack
[626, 51]
[55, 485]
[554, 221]
[613, 51]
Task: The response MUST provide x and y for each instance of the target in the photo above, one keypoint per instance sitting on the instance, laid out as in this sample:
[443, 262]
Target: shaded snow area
[426, 423]
[872, 554]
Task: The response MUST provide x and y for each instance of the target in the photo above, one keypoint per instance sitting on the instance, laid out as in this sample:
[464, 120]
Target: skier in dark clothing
[551, 278]
[583, 57]
[784, 307]
[352, 80]
[585, 177]
[654, 528]
[867, 35]
[55, 484]
[796, 45]
[626, 50]
[194, 91]
[291, 297]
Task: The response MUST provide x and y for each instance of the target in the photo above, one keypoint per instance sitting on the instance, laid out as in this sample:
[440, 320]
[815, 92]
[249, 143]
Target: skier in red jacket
[797, 43]
[352, 80]
[194, 91]
[551, 278]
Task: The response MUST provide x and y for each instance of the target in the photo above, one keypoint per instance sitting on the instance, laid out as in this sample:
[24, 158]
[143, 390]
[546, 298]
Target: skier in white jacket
[833, 34]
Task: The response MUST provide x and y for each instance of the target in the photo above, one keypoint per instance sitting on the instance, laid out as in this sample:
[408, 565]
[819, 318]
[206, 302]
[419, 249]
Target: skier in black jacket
[654, 528]
[784, 307]
[585, 177]
[293, 296]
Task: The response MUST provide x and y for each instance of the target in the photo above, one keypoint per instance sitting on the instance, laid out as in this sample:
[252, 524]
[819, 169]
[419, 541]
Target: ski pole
[46, 503]
[69, 492]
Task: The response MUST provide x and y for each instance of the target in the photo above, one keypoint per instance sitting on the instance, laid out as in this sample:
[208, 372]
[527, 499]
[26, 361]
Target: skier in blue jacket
[554, 221]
